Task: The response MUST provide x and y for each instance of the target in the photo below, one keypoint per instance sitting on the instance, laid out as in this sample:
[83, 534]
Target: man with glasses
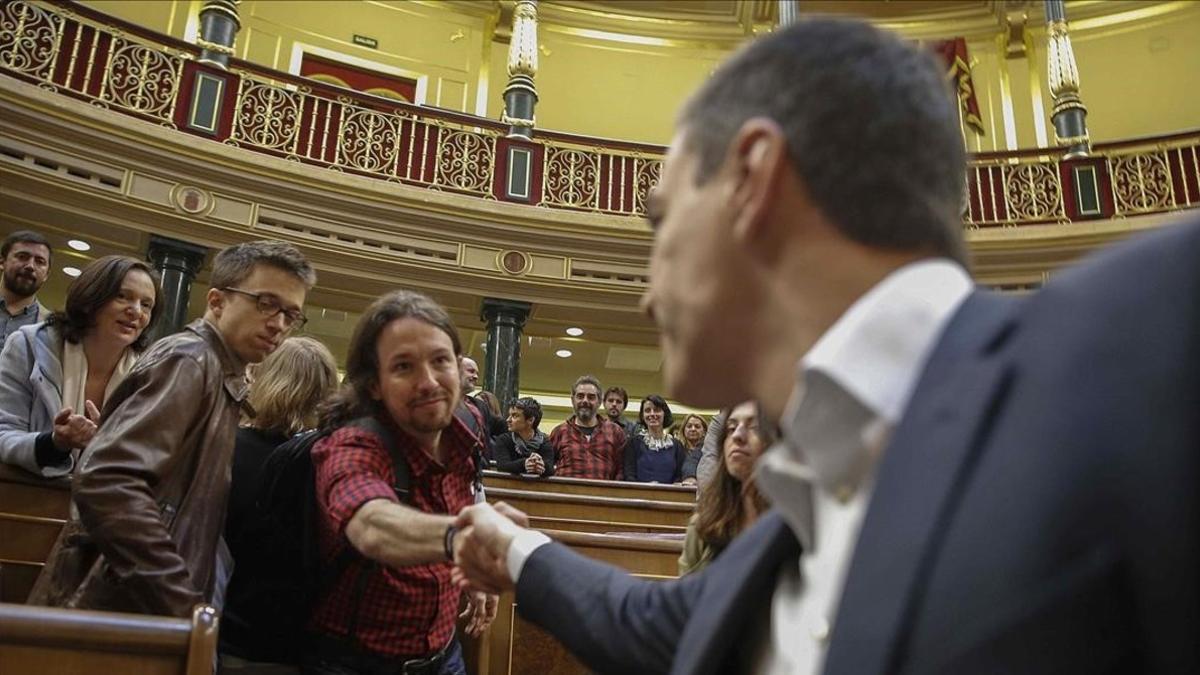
[151, 487]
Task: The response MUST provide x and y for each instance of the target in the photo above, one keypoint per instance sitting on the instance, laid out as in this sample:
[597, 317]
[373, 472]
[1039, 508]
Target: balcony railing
[77, 52]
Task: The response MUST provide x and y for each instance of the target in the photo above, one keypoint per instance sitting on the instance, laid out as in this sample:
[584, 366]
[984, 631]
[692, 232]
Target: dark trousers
[327, 660]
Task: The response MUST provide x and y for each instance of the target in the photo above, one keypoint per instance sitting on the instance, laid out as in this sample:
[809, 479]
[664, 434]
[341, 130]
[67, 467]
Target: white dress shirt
[852, 388]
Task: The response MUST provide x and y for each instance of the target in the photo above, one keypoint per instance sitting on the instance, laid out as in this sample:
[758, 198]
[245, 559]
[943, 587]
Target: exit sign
[365, 41]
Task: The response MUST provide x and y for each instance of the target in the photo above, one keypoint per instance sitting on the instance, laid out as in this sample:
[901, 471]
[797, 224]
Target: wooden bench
[587, 486]
[32, 513]
[78, 642]
[596, 514]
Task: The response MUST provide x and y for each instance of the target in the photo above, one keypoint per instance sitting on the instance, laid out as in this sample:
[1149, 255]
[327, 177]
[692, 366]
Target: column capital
[186, 257]
[502, 311]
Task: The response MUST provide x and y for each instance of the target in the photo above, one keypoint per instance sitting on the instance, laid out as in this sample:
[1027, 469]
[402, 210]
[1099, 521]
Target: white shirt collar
[860, 375]
[879, 346]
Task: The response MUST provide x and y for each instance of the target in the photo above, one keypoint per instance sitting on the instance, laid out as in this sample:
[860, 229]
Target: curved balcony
[79, 53]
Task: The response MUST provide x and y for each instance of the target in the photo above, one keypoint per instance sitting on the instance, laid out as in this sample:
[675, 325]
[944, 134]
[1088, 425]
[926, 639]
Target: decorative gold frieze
[1034, 192]
[465, 161]
[29, 38]
[570, 178]
[266, 116]
[142, 79]
[1141, 183]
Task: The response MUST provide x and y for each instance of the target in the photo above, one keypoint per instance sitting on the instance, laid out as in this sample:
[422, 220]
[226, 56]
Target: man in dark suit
[966, 483]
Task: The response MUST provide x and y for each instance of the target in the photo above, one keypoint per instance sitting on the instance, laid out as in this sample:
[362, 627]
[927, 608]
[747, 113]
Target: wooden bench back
[78, 642]
[32, 513]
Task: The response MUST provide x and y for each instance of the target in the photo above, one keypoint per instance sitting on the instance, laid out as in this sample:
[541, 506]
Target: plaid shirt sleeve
[618, 450]
[350, 471]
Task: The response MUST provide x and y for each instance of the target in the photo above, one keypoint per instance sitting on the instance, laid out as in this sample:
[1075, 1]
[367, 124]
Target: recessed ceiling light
[72, 271]
[574, 332]
[79, 245]
[563, 353]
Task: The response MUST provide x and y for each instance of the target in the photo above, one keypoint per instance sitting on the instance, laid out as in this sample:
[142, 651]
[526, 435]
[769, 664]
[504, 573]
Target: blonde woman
[284, 392]
[691, 434]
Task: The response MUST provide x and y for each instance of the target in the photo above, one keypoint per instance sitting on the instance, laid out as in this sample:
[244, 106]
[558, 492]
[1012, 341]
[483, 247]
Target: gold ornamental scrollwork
[267, 116]
[368, 140]
[570, 178]
[142, 79]
[465, 160]
[1033, 192]
[649, 171]
[29, 38]
[1140, 183]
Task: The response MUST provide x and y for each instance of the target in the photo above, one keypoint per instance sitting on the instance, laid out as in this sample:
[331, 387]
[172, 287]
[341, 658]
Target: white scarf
[75, 370]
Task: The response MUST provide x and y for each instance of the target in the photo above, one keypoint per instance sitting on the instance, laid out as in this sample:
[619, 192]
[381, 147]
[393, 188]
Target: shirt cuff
[523, 545]
[47, 454]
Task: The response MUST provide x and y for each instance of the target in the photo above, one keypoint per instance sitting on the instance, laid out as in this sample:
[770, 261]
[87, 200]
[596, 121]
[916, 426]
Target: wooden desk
[515, 646]
[32, 512]
[596, 514]
[586, 486]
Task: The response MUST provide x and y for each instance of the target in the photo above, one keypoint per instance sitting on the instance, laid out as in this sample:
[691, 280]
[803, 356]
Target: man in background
[616, 400]
[25, 262]
[588, 445]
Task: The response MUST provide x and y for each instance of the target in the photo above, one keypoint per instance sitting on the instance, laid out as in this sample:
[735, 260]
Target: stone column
[520, 96]
[177, 262]
[502, 363]
[789, 11]
[219, 24]
[1069, 114]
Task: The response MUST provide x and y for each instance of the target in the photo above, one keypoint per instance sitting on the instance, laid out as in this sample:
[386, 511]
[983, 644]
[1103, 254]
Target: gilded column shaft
[1069, 113]
[520, 96]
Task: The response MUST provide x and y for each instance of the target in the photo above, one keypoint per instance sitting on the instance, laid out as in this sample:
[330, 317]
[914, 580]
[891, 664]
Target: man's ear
[759, 155]
[215, 302]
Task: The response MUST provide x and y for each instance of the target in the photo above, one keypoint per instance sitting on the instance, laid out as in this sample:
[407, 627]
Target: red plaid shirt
[407, 611]
[600, 456]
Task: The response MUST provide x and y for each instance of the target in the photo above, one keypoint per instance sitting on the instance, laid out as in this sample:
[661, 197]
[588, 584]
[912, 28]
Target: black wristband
[448, 541]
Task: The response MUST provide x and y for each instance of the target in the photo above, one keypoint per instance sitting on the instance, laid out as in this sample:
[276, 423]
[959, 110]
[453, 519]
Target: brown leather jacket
[150, 490]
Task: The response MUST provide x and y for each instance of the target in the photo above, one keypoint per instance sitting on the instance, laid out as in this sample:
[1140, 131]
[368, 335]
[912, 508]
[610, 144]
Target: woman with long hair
[56, 375]
[691, 433]
[653, 455]
[731, 502]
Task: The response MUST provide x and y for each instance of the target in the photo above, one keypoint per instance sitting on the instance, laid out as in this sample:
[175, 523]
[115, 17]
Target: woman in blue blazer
[56, 375]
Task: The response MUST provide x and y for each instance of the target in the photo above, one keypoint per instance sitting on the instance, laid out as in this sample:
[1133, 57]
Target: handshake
[485, 533]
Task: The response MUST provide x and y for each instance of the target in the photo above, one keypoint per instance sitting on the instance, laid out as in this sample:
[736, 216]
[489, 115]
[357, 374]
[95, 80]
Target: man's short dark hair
[25, 237]
[354, 399]
[660, 403]
[871, 127]
[619, 391]
[586, 379]
[530, 409]
[234, 264]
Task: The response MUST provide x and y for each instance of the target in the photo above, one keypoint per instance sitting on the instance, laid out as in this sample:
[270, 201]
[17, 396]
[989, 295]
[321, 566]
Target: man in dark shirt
[25, 261]
[616, 400]
[392, 607]
[588, 445]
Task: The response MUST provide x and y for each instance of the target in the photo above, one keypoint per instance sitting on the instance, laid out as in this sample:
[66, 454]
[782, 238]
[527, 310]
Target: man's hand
[535, 464]
[73, 431]
[481, 547]
[481, 608]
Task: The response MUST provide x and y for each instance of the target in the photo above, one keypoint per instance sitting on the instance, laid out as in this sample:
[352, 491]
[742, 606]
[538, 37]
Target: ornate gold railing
[78, 52]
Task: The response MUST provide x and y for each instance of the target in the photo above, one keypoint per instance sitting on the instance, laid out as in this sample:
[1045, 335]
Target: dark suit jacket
[1035, 511]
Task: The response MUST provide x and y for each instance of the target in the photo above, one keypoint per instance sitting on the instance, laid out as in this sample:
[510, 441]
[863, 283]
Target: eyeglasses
[268, 305]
